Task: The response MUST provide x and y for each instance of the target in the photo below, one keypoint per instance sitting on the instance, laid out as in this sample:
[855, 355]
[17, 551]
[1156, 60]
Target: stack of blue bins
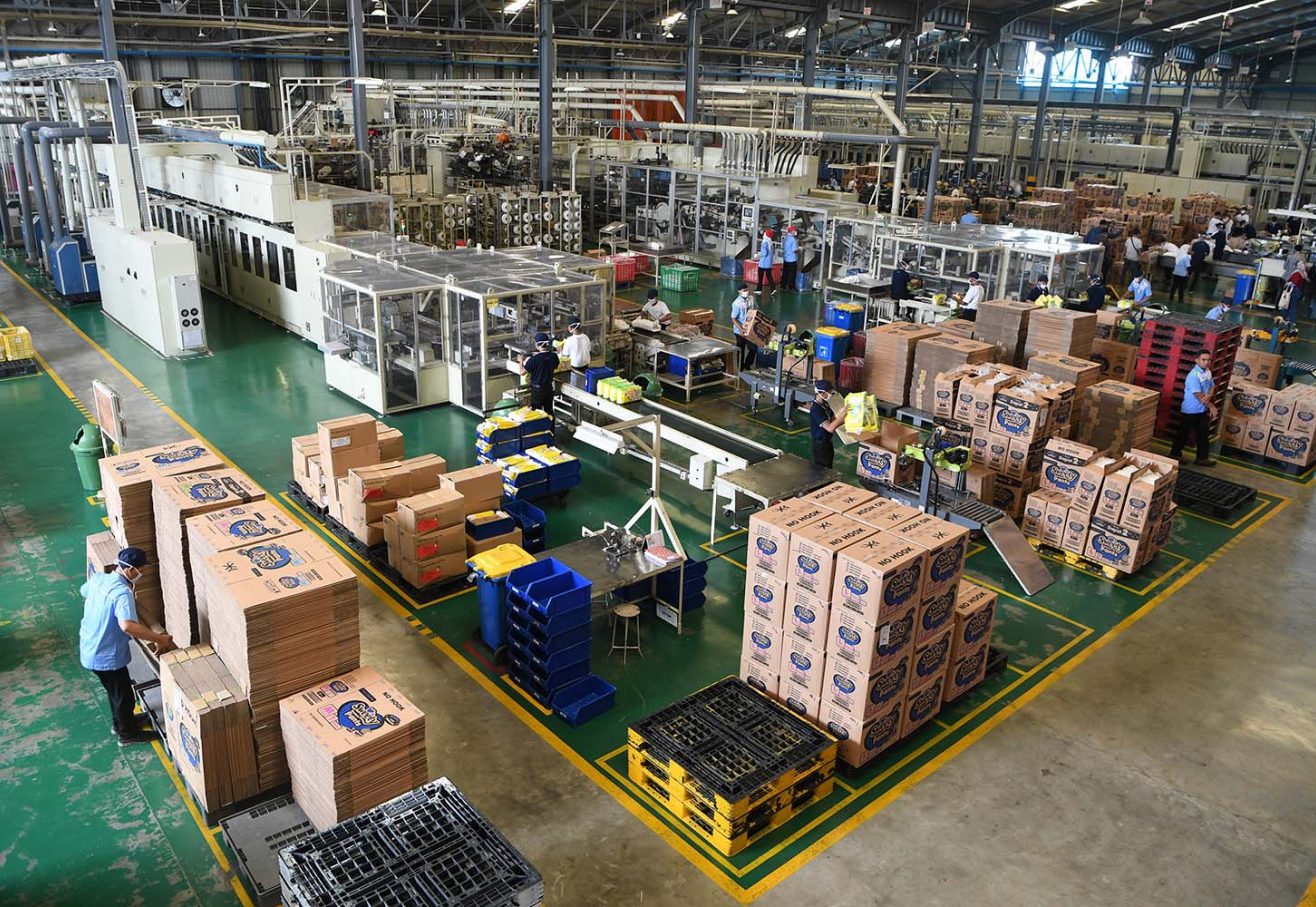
[548, 640]
[533, 523]
[668, 586]
[494, 439]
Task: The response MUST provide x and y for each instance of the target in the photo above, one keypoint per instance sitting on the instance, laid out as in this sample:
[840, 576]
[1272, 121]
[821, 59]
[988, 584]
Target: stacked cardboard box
[1257, 366]
[1196, 210]
[368, 493]
[1118, 417]
[993, 210]
[103, 557]
[1279, 425]
[426, 536]
[1063, 331]
[1150, 203]
[1112, 510]
[1004, 324]
[880, 454]
[889, 359]
[1082, 373]
[176, 499]
[1116, 359]
[353, 742]
[224, 530]
[957, 326]
[208, 727]
[481, 487]
[1055, 194]
[306, 469]
[970, 638]
[283, 617]
[1038, 215]
[941, 354]
[1103, 195]
[946, 209]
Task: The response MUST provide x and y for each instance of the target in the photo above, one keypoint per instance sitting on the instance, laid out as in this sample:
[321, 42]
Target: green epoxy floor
[261, 387]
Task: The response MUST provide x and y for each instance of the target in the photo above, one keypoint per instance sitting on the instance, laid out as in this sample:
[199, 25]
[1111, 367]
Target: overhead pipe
[36, 200]
[49, 135]
[4, 193]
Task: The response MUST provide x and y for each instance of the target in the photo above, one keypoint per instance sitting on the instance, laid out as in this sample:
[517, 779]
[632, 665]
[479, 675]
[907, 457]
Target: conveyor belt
[696, 428]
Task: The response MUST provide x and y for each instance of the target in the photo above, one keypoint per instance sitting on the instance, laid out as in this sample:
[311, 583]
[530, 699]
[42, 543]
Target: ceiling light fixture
[515, 7]
[795, 31]
[1193, 23]
[1143, 19]
[52, 29]
[731, 10]
[380, 11]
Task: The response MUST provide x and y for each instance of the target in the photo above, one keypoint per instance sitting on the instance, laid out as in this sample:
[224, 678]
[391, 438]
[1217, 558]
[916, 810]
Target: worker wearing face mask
[900, 281]
[577, 347]
[823, 425]
[972, 296]
[540, 368]
[741, 307]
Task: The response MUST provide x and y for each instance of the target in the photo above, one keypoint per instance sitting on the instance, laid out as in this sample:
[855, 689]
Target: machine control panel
[189, 315]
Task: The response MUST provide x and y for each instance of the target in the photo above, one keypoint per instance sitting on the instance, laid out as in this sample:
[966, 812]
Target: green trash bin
[87, 452]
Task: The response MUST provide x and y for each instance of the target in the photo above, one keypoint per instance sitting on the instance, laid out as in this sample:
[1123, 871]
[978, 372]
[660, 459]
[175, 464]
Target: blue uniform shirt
[818, 414]
[1181, 264]
[1216, 314]
[101, 641]
[1141, 290]
[900, 284]
[1199, 381]
[541, 368]
[1096, 236]
[739, 312]
[790, 248]
[765, 253]
[968, 217]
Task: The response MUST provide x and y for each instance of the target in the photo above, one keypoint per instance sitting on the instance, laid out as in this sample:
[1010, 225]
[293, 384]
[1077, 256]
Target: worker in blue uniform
[823, 424]
[900, 281]
[1220, 311]
[767, 251]
[741, 306]
[1197, 411]
[109, 619]
[1038, 289]
[540, 369]
[790, 258]
[1096, 294]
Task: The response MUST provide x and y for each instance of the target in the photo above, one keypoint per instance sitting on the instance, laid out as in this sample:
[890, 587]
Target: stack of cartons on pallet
[1118, 417]
[283, 617]
[1004, 324]
[308, 473]
[1116, 360]
[1257, 366]
[353, 742]
[208, 727]
[937, 355]
[1062, 331]
[176, 499]
[889, 359]
[970, 638]
[1115, 511]
[946, 209]
[426, 536]
[1197, 209]
[1041, 216]
[1279, 425]
[369, 493]
[993, 210]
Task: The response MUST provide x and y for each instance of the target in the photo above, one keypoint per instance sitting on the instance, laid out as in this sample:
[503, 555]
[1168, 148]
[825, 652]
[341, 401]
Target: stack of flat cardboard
[1082, 373]
[427, 535]
[282, 618]
[367, 493]
[942, 354]
[224, 530]
[889, 359]
[1118, 417]
[176, 499]
[1061, 331]
[103, 557]
[353, 742]
[309, 475]
[208, 726]
[1004, 324]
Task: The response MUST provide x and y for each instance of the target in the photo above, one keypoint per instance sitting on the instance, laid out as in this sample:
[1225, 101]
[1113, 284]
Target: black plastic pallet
[429, 846]
[151, 700]
[17, 368]
[1206, 494]
[256, 836]
[378, 559]
[302, 500]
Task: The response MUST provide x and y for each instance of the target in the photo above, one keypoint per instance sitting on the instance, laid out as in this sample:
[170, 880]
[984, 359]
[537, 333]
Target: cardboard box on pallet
[1256, 436]
[1231, 431]
[1303, 422]
[1019, 413]
[862, 740]
[1112, 545]
[1091, 477]
[807, 617]
[946, 545]
[871, 646]
[1077, 524]
[1284, 446]
[879, 576]
[1062, 462]
[929, 659]
[869, 513]
[839, 497]
[1023, 458]
[126, 480]
[801, 683]
[965, 673]
[1008, 495]
[815, 547]
[761, 643]
[770, 533]
[208, 725]
[1114, 491]
[889, 359]
[1249, 401]
[976, 396]
[945, 389]
[1053, 521]
[1257, 367]
[1164, 527]
[975, 616]
[347, 442]
[477, 484]
[880, 452]
[754, 674]
[921, 706]
[864, 693]
[935, 613]
[1281, 409]
[890, 516]
[765, 596]
[1147, 495]
[424, 513]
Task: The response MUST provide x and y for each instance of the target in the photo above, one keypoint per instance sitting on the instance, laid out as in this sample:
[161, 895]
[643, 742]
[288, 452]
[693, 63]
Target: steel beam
[693, 19]
[975, 120]
[356, 53]
[547, 67]
[1039, 120]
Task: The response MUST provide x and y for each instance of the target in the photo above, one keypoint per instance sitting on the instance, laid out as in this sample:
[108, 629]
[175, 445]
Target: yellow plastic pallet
[1079, 561]
[15, 344]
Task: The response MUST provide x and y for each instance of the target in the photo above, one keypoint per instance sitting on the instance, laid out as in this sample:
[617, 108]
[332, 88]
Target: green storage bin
[679, 278]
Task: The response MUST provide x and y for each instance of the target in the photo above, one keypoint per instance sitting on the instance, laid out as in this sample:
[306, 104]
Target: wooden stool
[623, 616]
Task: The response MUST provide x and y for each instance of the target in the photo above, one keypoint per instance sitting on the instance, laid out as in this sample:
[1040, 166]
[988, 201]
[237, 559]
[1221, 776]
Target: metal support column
[1300, 174]
[110, 51]
[906, 56]
[1099, 89]
[693, 19]
[975, 119]
[1222, 91]
[809, 65]
[1039, 119]
[934, 164]
[1190, 77]
[356, 54]
[1148, 73]
[547, 66]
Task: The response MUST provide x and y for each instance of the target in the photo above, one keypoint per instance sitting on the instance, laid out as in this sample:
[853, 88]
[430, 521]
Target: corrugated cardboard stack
[970, 638]
[1279, 425]
[1116, 511]
[353, 742]
[127, 482]
[1116, 359]
[208, 726]
[103, 557]
[176, 499]
[1004, 324]
[1118, 417]
[1082, 373]
[889, 359]
[938, 355]
[308, 473]
[1035, 215]
[1196, 210]
[1063, 331]
[1150, 203]
[224, 530]
[946, 209]
[344, 444]
[426, 536]
[993, 210]
[283, 616]
[368, 493]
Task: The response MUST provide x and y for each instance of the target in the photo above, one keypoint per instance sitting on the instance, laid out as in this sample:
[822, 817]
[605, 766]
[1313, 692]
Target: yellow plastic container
[498, 562]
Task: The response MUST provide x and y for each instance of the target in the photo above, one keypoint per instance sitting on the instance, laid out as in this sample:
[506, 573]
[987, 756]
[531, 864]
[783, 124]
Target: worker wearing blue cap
[540, 367]
[109, 618]
[823, 424]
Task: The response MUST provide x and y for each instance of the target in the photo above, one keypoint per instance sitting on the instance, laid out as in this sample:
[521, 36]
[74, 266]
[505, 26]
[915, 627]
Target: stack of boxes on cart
[850, 615]
[1279, 425]
[1113, 510]
[1169, 349]
[520, 442]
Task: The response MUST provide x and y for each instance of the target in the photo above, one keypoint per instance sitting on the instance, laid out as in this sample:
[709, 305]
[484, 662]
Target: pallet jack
[956, 505]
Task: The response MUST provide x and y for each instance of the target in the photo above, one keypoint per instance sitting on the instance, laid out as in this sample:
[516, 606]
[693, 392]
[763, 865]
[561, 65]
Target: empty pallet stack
[1118, 417]
[548, 629]
[730, 764]
[1004, 324]
[428, 846]
[283, 617]
[938, 355]
[176, 499]
[889, 359]
[1062, 331]
[353, 742]
[1168, 352]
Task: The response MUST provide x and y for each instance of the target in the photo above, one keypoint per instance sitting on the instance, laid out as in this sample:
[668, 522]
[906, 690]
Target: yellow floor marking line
[1267, 496]
[776, 428]
[726, 557]
[1016, 669]
[1309, 896]
[676, 841]
[1030, 603]
[191, 807]
[533, 703]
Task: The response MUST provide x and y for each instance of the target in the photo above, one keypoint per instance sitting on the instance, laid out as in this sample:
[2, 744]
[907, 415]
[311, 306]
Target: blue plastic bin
[1244, 284]
[803, 282]
[533, 523]
[594, 375]
[838, 317]
[827, 348]
[731, 267]
[584, 699]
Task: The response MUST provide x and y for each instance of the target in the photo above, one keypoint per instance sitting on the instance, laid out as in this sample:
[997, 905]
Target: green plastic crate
[679, 278]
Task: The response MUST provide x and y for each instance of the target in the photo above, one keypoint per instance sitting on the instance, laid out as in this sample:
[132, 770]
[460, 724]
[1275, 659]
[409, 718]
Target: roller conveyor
[748, 451]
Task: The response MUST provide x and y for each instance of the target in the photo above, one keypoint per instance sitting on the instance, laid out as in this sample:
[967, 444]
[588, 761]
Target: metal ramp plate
[1019, 556]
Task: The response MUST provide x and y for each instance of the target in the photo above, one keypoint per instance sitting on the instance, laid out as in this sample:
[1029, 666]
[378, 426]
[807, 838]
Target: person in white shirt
[1215, 225]
[577, 348]
[1242, 217]
[1132, 257]
[972, 296]
[655, 309]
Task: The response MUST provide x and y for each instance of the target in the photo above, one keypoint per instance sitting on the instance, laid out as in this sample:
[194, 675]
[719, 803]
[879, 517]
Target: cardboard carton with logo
[892, 515]
[754, 674]
[946, 545]
[864, 693]
[1286, 447]
[839, 497]
[1034, 514]
[1053, 523]
[1077, 523]
[1114, 492]
[758, 327]
[1281, 410]
[965, 673]
[1019, 413]
[1062, 461]
[1249, 401]
[766, 596]
[801, 685]
[807, 616]
[404, 545]
[1112, 545]
[979, 481]
[879, 453]
[1232, 428]
[921, 706]
[996, 451]
[225, 530]
[346, 443]
[936, 612]
[870, 646]
[814, 549]
[1256, 436]
[862, 740]
[1303, 422]
[1009, 495]
[1024, 458]
[929, 659]
[977, 396]
[975, 616]
[879, 576]
[978, 446]
[945, 390]
[761, 643]
[1091, 477]
[770, 534]
[868, 513]
[126, 480]
[1117, 360]
[1146, 497]
[1257, 366]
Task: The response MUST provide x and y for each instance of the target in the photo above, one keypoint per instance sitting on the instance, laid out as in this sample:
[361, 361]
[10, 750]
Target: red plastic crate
[624, 266]
[751, 272]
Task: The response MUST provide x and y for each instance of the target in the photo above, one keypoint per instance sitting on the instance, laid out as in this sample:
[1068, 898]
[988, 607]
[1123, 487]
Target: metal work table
[694, 352]
[658, 251]
[586, 557]
[767, 483]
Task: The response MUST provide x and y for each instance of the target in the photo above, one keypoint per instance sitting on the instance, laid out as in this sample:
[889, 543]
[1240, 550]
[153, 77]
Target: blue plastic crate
[551, 595]
[731, 267]
[845, 319]
[677, 365]
[498, 449]
[543, 662]
[540, 646]
[531, 492]
[520, 579]
[533, 523]
[584, 699]
[534, 439]
[487, 529]
[543, 684]
[536, 426]
[594, 375]
[827, 348]
[566, 483]
[519, 616]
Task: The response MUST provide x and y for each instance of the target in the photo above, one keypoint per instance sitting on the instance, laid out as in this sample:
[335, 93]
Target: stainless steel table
[586, 557]
[767, 483]
[694, 352]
